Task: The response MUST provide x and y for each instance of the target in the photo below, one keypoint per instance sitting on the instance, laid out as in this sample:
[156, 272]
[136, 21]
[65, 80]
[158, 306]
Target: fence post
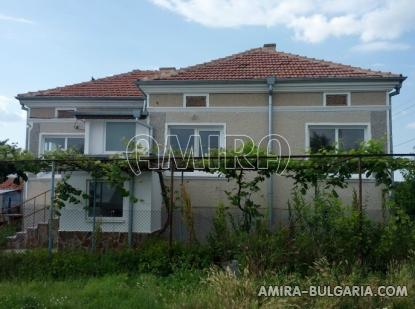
[34, 212]
[171, 206]
[52, 202]
[130, 213]
[360, 208]
[93, 240]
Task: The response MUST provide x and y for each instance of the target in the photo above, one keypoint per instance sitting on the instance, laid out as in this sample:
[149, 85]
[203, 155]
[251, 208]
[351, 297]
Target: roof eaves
[399, 78]
[80, 98]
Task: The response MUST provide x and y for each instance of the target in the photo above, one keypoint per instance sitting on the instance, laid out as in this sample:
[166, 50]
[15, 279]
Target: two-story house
[255, 93]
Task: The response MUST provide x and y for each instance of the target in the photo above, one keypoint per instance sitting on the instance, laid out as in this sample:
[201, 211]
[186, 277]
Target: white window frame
[336, 125]
[105, 135]
[197, 127]
[44, 135]
[64, 109]
[221, 127]
[185, 95]
[348, 94]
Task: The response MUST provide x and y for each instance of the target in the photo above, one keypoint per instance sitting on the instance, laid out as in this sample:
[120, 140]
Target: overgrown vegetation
[211, 288]
[325, 243]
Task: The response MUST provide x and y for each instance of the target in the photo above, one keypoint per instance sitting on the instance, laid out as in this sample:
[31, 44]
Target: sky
[49, 43]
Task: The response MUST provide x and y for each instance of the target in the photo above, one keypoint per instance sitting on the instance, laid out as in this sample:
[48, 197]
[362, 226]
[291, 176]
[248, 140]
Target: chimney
[270, 46]
[166, 71]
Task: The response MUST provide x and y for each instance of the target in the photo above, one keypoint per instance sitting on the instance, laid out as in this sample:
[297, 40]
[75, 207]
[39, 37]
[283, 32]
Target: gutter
[165, 82]
[270, 85]
[78, 98]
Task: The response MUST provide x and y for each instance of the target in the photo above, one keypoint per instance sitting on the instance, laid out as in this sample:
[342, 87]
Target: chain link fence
[108, 220]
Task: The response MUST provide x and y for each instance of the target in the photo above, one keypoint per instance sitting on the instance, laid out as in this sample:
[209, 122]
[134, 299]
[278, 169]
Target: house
[255, 93]
[10, 199]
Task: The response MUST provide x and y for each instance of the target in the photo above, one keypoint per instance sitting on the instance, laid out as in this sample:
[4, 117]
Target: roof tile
[121, 85]
[260, 63]
[257, 63]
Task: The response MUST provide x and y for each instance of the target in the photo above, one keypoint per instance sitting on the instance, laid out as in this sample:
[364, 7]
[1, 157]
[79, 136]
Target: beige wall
[368, 98]
[42, 112]
[289, 124]
[261, 99]
[298, 99]
[166, 100]
[292, 124]
[252, 124]
[238, 99]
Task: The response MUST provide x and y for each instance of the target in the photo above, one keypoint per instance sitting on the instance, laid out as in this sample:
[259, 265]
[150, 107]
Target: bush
[6, 231]
[321, 228]
[151, 257]
[404, 194]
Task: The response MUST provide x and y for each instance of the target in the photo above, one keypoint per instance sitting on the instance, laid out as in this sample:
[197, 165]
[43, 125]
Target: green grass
[213, 288]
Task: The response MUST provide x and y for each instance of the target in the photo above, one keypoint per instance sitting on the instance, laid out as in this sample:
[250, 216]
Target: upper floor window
[198, 139]
[196, 100]
[65, 113]
[118, 134]
[336, 137]
[51, 143]
[337, 99]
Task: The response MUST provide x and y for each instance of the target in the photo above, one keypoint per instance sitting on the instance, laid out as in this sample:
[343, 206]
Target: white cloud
[410, 125]
[15, 19]
[380, 46]
[10, 110]
[372, 21]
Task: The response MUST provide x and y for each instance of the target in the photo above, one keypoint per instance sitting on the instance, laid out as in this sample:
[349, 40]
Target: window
[65, 113]
[118, 134]
[109, 201]
[201, 140]
[195, 101]
[341, 99]
[322, 139]
[63, 142]
[331, 137]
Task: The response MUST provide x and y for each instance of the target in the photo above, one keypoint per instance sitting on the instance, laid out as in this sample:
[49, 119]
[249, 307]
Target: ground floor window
[109, 201]
[335, 137]
[51, 143]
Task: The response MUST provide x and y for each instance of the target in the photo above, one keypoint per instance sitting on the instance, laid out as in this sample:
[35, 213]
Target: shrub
[321, 228]
[151, 257]
[404, 194]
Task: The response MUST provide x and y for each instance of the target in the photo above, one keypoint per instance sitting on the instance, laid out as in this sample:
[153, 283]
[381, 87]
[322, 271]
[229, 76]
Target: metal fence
[87, 225]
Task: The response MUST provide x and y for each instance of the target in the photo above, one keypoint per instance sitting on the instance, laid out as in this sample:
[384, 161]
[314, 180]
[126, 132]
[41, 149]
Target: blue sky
[45, 44]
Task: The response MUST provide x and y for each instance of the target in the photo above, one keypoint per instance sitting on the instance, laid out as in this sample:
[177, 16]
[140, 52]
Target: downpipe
[270, 85]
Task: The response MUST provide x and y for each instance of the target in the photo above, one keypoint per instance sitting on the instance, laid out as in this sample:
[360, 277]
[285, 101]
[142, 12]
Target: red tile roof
[121, 85]
[260, 63]
[257, 63]
[9, 184]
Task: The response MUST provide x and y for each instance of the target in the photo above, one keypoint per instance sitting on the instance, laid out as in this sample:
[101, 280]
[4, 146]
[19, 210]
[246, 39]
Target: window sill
[196, 174]
[105, 220]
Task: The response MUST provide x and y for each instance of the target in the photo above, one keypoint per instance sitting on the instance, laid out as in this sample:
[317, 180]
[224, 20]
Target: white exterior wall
[146, 211]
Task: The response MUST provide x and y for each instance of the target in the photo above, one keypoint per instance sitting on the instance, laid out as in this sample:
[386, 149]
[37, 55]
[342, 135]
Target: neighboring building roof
[260, 63]
[10, 185]
[121, 85]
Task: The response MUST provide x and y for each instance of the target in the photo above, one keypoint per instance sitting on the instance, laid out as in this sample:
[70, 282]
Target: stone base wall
[104, 240]
[34, 237]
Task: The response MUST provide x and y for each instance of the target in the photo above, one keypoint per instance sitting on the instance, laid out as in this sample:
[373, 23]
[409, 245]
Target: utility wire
[402, 110]
[406, 142]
